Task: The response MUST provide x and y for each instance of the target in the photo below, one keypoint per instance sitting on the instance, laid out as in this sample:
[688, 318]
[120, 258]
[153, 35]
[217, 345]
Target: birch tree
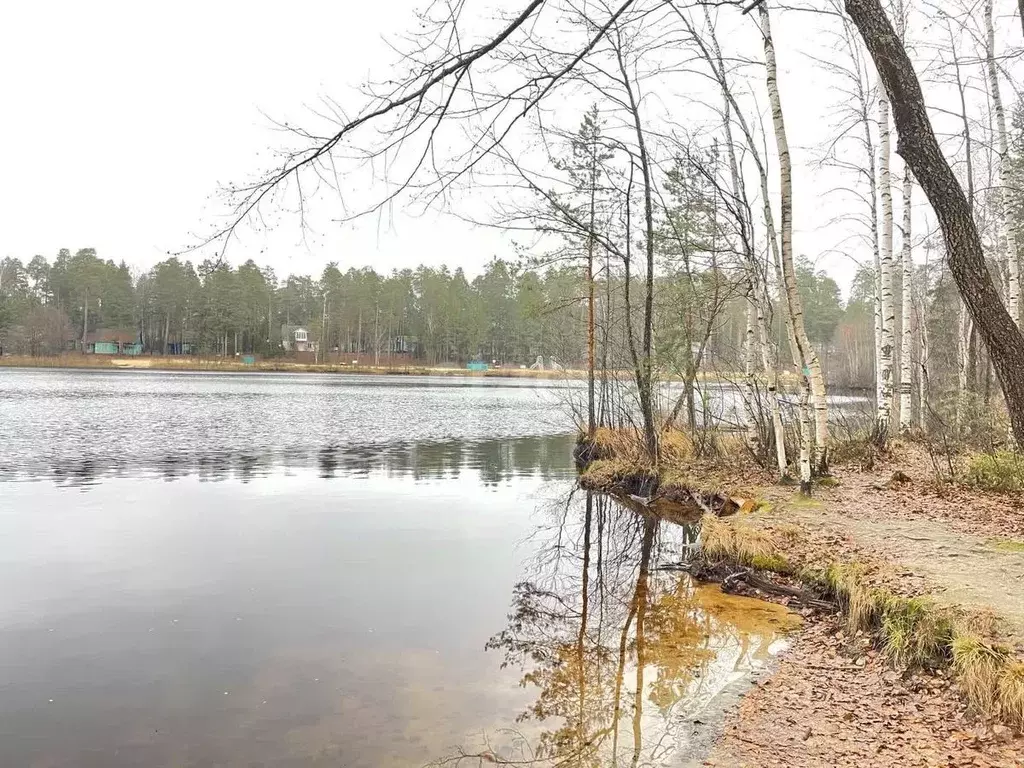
[885, 302]
[803, 350]
[907, 345]
[920, 149]
[1004, 201]
[921, 309]
[712, 53]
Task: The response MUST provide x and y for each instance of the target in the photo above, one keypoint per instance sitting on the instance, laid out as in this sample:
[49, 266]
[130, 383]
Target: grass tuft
[1002, 471]
[915, 632]
[1011, 694]
[676, 447]
[857, 451]
[979, 666]
[628, 445]
[738, 543]
[857, 601]
[775, 563]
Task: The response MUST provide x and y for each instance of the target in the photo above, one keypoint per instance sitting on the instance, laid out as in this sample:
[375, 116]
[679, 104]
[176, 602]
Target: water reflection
[622, 656]
[495, 461]
[79, 427]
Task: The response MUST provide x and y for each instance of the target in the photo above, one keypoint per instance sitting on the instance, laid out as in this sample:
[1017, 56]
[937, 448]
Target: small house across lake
[112, 341]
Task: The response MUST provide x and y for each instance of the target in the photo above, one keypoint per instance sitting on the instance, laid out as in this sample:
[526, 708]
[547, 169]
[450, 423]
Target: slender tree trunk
[906, 375]
[591, 330]
[888, 317]
[85, 320]
[774, 396]
[805, 441]
[606, 335]
[804, 351]
[167, 331]
[922, 329]
[967, 368]
[750, 374]
[920, 149]
[645, 383]
[1004, 200]
[963, 362]
[376, 338]
[760, 295]
[873, 187]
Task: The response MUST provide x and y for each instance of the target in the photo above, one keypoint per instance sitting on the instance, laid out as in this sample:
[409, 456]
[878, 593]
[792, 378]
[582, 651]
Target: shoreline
[73, 362]
[77, 362]
[215, 365]
[910, 647]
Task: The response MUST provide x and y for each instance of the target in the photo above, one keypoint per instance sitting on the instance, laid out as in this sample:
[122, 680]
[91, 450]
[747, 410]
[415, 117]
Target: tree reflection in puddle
[623, 657]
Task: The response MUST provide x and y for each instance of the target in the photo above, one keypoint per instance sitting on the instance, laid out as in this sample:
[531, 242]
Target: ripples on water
[76, 427]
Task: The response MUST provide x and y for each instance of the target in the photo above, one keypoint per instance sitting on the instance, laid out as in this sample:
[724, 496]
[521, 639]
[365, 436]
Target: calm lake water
[301, 570]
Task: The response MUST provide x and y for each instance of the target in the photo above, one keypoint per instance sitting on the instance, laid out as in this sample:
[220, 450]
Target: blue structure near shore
[477, 365]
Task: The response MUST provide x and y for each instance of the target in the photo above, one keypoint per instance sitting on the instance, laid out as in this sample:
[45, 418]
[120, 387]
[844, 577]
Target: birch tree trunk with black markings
[803, 351]
[920, 149]
[907, 345]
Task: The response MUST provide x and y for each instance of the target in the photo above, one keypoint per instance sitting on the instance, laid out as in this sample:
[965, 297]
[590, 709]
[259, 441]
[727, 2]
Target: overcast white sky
[119, 121]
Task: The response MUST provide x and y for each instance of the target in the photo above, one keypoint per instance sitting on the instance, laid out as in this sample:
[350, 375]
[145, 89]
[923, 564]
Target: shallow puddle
[625, 659]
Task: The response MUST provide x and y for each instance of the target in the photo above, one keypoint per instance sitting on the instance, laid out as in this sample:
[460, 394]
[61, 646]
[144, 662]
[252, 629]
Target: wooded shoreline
[285, 365]
[273, 365]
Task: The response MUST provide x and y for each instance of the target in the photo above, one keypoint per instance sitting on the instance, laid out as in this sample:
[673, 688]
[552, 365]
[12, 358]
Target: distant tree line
[511, 312]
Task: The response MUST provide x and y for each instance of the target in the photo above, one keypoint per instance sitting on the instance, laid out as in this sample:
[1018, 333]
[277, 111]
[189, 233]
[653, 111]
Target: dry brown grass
[627, 445]
[1011, 694]
[979, 665]
[915, 632]
[735, 542]
[676, 447]
[607, 474]
[845, 581]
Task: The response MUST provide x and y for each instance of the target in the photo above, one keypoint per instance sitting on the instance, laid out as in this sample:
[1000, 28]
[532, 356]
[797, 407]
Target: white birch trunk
[811, 368]
[907, 346]
[760, 293]
[873, 185]
[1004, 202]
[805, 441]
[922, 385]
[885, 271]
[964, 339]
[750, 373]
[774, 398]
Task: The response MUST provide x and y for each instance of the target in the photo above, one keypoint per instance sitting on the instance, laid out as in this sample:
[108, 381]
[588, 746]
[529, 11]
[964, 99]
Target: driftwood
[731, 577]
[760, 581]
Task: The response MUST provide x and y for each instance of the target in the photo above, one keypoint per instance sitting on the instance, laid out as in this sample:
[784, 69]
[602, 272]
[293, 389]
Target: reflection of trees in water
[496, 461]
[617, 651]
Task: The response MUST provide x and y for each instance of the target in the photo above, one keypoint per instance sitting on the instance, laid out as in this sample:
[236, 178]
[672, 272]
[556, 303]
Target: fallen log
[760, 581]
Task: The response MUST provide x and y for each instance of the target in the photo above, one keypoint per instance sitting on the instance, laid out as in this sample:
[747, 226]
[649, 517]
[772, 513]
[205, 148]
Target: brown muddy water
[209, 570]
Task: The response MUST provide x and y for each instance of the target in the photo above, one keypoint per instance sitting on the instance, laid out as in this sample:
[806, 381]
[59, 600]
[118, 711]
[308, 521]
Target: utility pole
[323, 326]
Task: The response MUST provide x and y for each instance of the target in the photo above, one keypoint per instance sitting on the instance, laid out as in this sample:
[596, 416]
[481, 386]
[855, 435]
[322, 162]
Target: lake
[302, 570]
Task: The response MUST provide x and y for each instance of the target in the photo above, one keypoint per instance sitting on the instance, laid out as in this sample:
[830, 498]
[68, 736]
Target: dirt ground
[828, 704]
[833, 701]
[960, 546]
